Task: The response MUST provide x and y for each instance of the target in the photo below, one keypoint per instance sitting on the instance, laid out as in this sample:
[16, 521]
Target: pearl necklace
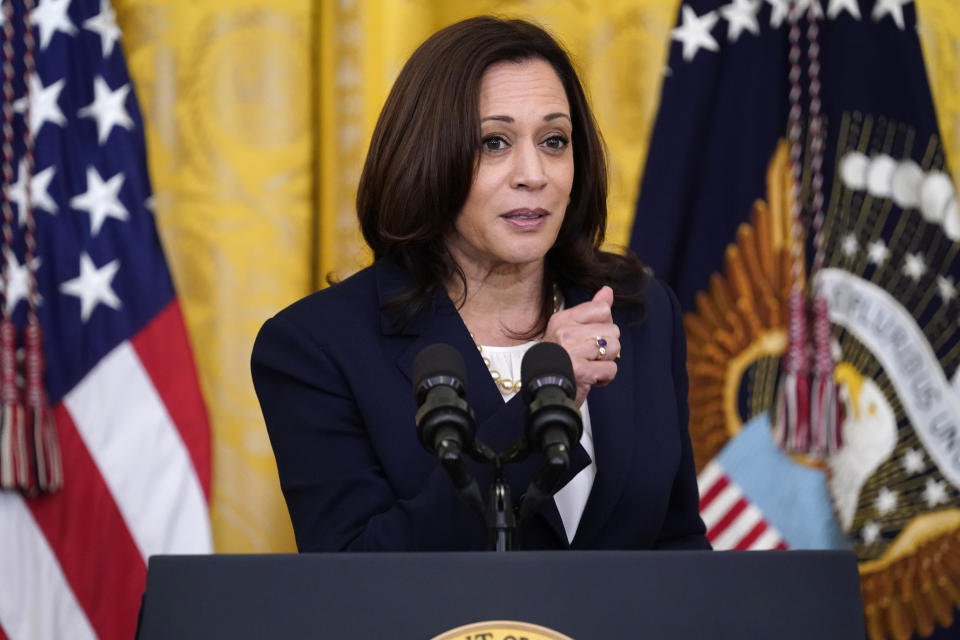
[507, 385]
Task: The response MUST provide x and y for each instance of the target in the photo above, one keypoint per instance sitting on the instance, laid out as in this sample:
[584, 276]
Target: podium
[593, 595]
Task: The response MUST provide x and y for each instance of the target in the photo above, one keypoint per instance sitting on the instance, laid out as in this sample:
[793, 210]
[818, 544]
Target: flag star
[107, 108]
[836, 6]
[92, 286]
[870, 532]
[18, 280]
[913, 462]
[877, 252]
[886, 501]
[778, 12]
[935, 492]
[694, 33]
[850, 245]
[51, 16]
[39, 192]
[105, 25]
[893, 8]
[741, 14]
[101, 199]
[43, 104]
[18, 190]
[947, 287]
[39, 195]
[914, 267]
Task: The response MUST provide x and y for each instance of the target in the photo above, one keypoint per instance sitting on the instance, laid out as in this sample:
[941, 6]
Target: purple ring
[601, 342]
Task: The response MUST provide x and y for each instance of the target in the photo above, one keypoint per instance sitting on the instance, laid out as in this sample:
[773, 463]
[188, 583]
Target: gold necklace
[508, 385]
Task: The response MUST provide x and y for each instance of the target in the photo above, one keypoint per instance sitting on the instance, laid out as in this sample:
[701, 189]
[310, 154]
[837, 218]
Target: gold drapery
[226, 89]
[257, 117]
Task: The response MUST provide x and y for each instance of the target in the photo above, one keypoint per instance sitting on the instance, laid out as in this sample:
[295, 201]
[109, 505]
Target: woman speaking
[483, 198]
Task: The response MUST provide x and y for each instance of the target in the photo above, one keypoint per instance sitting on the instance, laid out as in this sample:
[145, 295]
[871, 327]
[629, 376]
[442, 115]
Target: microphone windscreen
[438, 360]
[545, 359]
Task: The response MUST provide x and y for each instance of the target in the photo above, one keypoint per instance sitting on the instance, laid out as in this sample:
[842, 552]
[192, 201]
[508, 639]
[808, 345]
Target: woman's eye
[557, 142]
[494, 143]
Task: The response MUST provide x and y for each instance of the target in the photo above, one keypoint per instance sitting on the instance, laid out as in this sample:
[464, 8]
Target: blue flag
[714, 219]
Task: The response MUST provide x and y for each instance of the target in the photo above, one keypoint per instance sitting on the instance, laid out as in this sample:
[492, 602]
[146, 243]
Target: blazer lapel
[438, 322]
[612, 415]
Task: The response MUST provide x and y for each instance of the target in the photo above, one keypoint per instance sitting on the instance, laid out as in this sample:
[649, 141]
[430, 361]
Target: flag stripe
[164, 350]
[747, 541]
[36, 603]
[713, 491]
[721, 525]
[720, 505]
[147, 469]
[99, 560]
[739, 527]
[709, 475]
[769, 540]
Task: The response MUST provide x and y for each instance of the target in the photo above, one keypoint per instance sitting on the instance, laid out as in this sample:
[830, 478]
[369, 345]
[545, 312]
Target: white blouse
[572, 497]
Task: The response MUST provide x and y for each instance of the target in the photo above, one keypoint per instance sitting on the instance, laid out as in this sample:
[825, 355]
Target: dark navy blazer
[332, 373]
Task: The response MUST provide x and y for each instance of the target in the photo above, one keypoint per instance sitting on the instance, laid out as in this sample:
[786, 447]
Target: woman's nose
[528, 169]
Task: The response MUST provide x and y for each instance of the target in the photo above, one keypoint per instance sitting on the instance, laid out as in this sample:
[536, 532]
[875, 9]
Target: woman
[483, 198]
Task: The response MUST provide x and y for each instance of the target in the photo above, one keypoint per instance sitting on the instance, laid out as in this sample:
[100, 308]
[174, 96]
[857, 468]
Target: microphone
[445, 422]
[553, 420]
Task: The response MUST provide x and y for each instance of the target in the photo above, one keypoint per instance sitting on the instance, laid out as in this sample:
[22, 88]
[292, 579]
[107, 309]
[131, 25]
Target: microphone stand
[498, 512]
[500, 517]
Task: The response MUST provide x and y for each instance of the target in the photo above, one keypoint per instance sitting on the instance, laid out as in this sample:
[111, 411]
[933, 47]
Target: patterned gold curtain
[227, 89]
[258, 115]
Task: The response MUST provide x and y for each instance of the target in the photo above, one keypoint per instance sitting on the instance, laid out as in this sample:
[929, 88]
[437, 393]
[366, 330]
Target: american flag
[132, 427]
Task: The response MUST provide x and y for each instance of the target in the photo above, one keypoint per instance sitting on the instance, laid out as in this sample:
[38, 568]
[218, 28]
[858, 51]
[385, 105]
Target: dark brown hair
[424, 151]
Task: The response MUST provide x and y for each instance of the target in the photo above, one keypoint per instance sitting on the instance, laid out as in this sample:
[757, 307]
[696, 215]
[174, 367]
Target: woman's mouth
[526, 218]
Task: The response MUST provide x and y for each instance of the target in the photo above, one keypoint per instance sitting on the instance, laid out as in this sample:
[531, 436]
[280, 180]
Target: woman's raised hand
[591, 339]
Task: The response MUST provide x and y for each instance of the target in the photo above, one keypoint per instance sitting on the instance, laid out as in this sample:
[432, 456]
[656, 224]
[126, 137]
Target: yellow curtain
[258, 115]
[227, 90]
[939, 27]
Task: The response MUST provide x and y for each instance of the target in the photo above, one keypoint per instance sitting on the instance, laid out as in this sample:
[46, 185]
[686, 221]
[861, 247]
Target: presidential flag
[724, 183]
[82, 257]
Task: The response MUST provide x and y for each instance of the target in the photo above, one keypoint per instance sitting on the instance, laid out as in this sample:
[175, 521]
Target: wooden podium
[592, 595]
